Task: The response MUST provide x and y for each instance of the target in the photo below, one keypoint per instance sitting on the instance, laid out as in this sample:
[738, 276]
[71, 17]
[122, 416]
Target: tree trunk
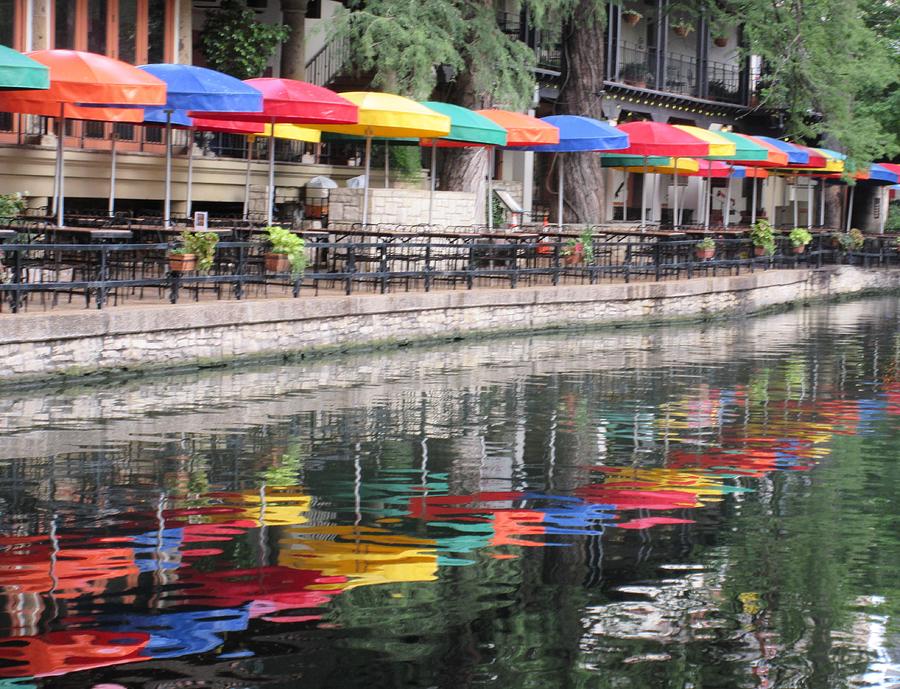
[584, 44]
[293, 52]
[834, 206]
[465, 169]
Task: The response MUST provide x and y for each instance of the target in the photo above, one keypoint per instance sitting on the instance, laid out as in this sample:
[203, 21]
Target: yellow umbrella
[718, 144]
[388, 116]
[674, 166]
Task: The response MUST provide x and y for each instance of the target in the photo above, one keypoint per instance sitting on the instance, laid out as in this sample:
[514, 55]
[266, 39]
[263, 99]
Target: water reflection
[672, 507]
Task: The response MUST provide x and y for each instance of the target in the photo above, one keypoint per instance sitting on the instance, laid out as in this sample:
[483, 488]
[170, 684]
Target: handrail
[328, 62]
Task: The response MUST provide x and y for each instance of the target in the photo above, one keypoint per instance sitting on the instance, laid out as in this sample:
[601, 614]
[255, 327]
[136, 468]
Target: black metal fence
[45, 276]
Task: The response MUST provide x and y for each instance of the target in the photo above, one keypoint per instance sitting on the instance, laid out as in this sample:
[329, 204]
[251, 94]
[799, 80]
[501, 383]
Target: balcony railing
[637, 66]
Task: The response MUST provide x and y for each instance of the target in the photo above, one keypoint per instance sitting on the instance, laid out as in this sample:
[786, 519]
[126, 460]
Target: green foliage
[406, 162]
[11, 205]
[892, 222]
[799, 236]
[851, 241]
[762, 235]
[235, 43]
[200, 244]
[706, 244]
[284, 241]
[828, 72]
[404, 42]
[582, 245]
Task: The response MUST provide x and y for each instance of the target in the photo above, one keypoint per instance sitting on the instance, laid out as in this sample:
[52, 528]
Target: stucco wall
[38, 346]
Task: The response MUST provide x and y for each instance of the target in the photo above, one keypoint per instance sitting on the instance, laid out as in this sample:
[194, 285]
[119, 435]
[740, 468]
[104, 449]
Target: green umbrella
[466, 128]
[18, 71]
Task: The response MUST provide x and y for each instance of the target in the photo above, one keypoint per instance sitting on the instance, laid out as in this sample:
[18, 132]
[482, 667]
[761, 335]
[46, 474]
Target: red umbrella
[80, 78]
[288, 101]
[658, 139]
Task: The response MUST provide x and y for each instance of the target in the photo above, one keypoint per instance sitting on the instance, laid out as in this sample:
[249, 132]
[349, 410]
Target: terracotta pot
[705, 254]
[681, 31]
[759, 251]
[720, 41]
[181, 263]
[277, 263]
[574, 258]
[630, 18]
[799, 249]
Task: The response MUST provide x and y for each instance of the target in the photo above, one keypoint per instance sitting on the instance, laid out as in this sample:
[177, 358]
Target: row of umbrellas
[82, 85]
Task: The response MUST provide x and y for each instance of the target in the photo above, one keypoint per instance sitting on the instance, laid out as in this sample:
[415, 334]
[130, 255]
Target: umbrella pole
[822, 204]
[654, 197]
[753, 201]
[559, 209]
[675, 221]
[167, 203]
[433, 174]
[726, 211]
[387, 164]
[644, 196]
[883, 210]
[707, 197]
[112, 178]
[809, 203]
[850, 207]
[625, 196]
[271, 188]
[365, 208]
[188, 202]
[796, 206]
[490, 190]
[250, 145]
[61, 186]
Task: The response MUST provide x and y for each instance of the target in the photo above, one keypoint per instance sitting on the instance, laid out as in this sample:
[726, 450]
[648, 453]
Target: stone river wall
[40, 346]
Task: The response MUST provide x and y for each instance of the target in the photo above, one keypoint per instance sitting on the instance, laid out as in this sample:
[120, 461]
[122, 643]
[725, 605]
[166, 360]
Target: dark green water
[670, 508]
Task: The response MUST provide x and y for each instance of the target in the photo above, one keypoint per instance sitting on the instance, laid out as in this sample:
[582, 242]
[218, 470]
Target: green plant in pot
[705, 249]
[799, 238]
[855, 240]
[763, 237]
[11, 205]
[287, 251]
[682, 27]
[195, 250]
[579, 249]
[630, 16]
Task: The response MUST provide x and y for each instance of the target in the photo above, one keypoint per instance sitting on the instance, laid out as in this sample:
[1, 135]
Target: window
[136, 31]
[7, 22]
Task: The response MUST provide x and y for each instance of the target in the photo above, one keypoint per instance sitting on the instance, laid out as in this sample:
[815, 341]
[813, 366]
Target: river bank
[37, 347]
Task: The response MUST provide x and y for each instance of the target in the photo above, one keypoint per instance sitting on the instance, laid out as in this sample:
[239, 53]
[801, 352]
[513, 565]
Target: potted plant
[195, 250]
[682, 27]
[11, 205]
[287, 251]
[636, 74]
[799, 238]
[721, 41]
[705, 249]
[631, 17]
[763, 238]
[580, 249]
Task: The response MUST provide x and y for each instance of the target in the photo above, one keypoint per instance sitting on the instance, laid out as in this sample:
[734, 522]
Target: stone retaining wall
[402, 206]
[37, 346]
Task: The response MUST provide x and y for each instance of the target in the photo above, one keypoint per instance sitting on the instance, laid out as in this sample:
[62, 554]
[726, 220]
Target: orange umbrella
[521, 130]
[79, 78]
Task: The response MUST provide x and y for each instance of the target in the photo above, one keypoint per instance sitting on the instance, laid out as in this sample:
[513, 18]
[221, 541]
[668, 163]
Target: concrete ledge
[42, 345]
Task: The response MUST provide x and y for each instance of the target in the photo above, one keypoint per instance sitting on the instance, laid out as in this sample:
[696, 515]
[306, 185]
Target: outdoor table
[54, 232]
[6, 234]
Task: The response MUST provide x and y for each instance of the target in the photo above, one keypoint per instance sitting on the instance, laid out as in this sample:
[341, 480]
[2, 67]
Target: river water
[681, 507]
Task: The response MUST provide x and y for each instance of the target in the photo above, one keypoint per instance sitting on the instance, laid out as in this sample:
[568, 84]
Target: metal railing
[329, 62]
[52, 275]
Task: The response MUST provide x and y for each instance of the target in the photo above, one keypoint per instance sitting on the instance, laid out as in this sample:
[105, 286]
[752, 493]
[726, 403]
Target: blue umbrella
[579, 134]
[199, 89]
[796, 155]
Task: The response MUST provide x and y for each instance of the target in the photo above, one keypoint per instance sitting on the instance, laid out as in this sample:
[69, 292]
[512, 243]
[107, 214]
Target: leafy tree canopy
[403, 42]
[235, 43]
